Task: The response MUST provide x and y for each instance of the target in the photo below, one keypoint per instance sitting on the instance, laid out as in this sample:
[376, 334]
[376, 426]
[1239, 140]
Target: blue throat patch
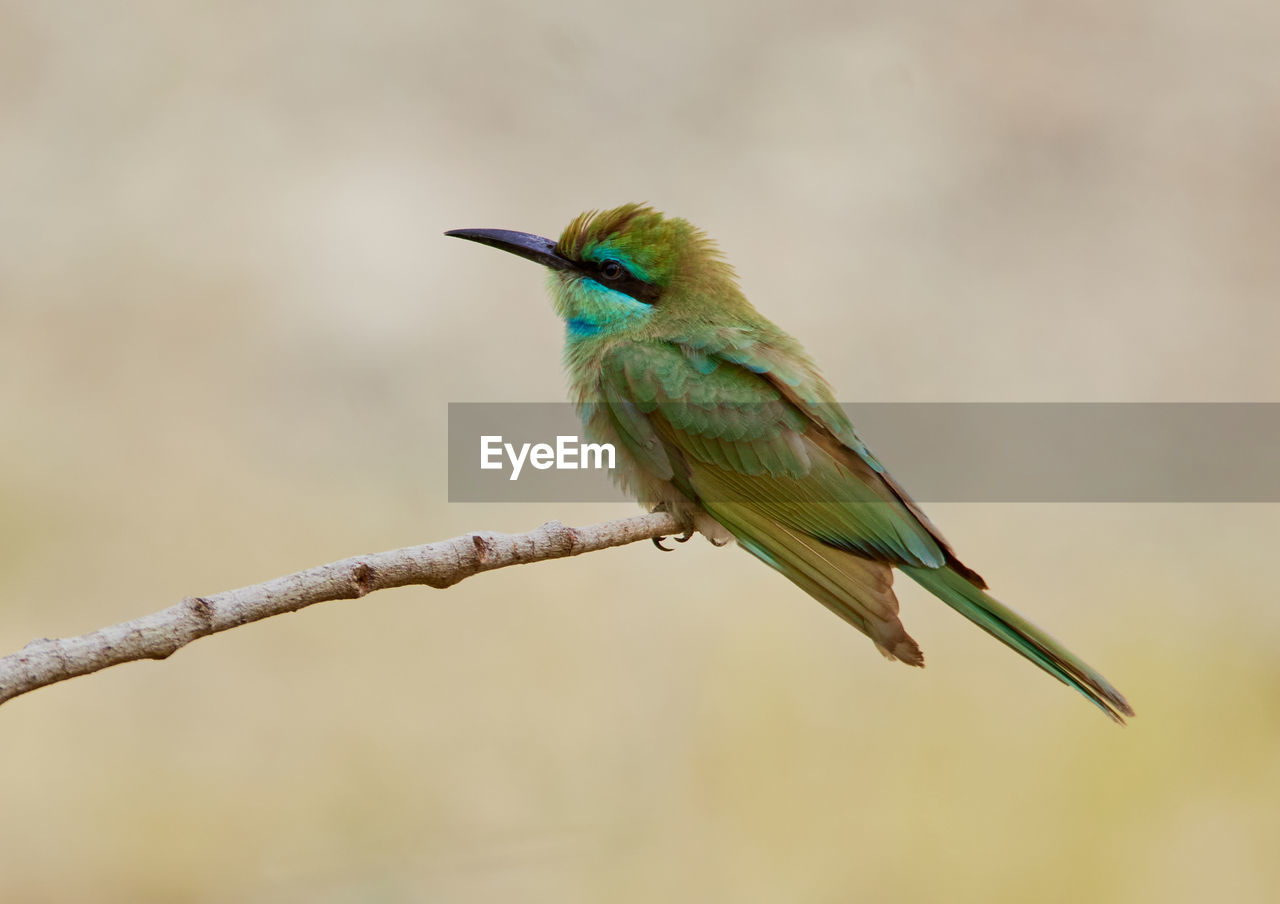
[601, 310]
[580, 328]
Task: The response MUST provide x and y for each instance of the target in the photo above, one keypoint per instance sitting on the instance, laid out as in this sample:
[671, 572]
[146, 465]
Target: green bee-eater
[720, 418]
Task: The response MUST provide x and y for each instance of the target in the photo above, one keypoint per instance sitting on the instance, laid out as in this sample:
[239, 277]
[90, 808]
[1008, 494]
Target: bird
[722, 419]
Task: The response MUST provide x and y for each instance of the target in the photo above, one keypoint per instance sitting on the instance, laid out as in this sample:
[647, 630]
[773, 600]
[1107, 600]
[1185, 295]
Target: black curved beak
[524, 244]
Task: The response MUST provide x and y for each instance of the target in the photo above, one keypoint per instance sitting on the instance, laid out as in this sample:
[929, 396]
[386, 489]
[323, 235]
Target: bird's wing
[736, 445]
[733, 436]
[798, 382]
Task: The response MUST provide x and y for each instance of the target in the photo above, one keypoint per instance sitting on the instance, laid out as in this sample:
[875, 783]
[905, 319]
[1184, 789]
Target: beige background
[229, 327]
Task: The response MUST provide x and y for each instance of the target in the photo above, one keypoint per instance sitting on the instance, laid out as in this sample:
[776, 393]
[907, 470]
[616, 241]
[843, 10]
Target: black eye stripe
[614, 275]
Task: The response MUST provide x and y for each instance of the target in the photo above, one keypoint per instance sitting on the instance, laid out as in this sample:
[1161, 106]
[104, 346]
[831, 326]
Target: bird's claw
[683, 538]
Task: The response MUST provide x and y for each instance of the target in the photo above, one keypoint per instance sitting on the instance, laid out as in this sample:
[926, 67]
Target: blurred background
[230, 326]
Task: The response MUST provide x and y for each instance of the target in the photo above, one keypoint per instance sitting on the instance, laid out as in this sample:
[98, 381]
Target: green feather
[1022, 636]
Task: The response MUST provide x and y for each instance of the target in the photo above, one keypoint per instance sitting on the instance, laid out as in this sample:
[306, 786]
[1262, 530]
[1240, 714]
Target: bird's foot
[683, 538]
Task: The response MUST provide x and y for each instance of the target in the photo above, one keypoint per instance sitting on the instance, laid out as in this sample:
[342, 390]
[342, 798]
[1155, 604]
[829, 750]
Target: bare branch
[159, 635]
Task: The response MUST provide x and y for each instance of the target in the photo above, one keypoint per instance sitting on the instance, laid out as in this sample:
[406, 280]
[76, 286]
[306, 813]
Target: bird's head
[628, 272]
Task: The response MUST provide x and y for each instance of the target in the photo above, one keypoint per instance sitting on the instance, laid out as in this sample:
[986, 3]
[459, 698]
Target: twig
[159, 635]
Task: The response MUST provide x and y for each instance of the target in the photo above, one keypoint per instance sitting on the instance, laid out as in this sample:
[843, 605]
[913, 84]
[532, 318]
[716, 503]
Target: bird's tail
[857, 589]
[1016, 632]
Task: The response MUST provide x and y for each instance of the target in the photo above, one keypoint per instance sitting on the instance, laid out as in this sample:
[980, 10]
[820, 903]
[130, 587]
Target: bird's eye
[612, 270]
